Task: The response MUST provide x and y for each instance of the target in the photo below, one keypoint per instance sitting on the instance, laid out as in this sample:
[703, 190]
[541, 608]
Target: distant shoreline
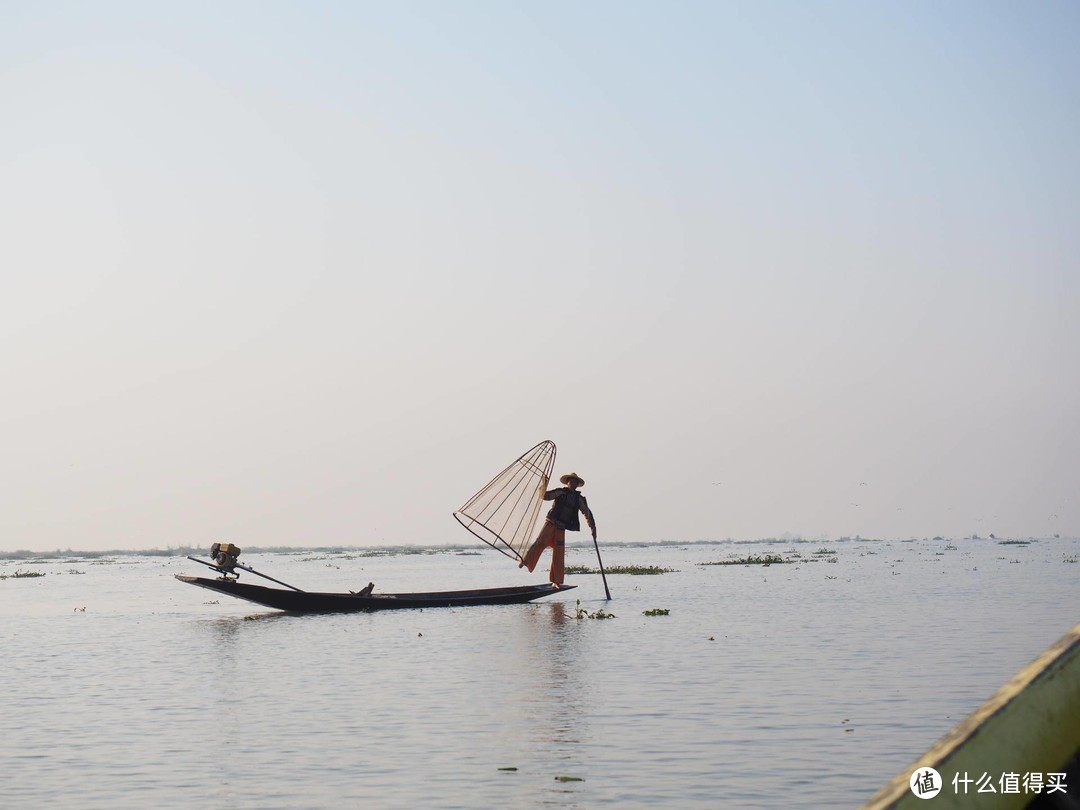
[385, 550]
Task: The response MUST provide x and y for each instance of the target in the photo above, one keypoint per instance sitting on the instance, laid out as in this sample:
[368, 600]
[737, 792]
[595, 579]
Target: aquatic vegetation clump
[640, 570]
[583, 613]
[632, 570]
[23, 575]
[656, 612]
[753, 559]
[580, 569]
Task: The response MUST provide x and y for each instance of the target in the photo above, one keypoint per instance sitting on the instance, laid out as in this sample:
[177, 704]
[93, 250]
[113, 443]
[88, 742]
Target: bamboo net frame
[503, 513]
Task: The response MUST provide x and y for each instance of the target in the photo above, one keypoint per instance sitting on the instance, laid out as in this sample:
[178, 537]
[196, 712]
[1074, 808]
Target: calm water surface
[805, 685]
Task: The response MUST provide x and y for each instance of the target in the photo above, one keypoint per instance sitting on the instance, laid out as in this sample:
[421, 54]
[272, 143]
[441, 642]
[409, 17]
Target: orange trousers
[554, 538]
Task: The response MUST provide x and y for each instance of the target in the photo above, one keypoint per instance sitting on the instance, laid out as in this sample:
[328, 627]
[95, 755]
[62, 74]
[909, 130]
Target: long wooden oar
[602, 574]
[246, 568]
[264, 576]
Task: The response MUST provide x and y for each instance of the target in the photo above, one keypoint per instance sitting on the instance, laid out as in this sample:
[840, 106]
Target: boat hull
[313, 602]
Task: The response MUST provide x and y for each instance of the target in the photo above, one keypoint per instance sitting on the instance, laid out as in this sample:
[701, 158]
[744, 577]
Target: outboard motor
[225, 556]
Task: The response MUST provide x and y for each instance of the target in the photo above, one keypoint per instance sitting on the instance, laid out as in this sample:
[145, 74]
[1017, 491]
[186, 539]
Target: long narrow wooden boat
[502, 514]
[295, 601]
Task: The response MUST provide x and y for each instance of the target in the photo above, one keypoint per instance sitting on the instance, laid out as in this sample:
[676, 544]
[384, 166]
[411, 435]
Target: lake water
[803, 685]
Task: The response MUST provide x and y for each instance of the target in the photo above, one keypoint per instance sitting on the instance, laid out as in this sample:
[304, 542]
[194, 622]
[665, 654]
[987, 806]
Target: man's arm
[587, 512]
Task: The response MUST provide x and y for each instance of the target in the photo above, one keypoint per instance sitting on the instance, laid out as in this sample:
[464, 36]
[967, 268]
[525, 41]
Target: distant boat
[502, 514]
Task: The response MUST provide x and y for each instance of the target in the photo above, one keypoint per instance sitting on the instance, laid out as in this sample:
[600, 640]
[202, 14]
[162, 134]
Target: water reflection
[560, 694]
[557, 675]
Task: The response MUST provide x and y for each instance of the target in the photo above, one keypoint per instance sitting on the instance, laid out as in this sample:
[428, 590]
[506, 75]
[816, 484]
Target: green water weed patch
[753, 559]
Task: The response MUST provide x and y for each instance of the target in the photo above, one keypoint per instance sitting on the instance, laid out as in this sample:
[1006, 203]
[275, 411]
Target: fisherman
[562, 517]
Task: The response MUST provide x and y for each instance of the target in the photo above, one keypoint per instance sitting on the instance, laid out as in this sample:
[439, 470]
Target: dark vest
[565, 511]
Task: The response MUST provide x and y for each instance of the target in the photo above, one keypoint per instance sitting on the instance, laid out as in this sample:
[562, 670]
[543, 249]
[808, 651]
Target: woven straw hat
[573, 476]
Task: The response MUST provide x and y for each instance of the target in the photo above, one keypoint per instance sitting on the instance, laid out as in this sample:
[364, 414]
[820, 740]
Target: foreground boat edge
[1028, 726]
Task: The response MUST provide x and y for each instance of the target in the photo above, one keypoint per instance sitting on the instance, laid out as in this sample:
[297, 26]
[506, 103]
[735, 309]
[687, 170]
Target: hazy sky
[312, 273]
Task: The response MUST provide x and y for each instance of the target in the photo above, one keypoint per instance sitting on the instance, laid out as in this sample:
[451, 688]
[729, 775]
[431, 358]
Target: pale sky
[312, 273]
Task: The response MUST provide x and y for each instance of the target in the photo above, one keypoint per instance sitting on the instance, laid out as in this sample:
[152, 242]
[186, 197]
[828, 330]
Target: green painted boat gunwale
[1030, 725]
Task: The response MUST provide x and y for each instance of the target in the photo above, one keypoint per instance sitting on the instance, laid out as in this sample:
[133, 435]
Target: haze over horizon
[310, 275]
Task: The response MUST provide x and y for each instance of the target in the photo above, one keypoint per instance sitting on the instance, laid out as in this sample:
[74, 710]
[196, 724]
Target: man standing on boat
[562, 517]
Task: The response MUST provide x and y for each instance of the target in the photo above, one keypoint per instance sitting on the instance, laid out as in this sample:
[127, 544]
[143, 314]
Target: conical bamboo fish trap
[503, 514]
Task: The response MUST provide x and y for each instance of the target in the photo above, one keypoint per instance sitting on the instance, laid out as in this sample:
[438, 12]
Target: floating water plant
[569, 779]
[640, 570]
[633, 570]
[753, 559]
[23, 575]
[583, 613]
[580, 569]
[656, 612]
